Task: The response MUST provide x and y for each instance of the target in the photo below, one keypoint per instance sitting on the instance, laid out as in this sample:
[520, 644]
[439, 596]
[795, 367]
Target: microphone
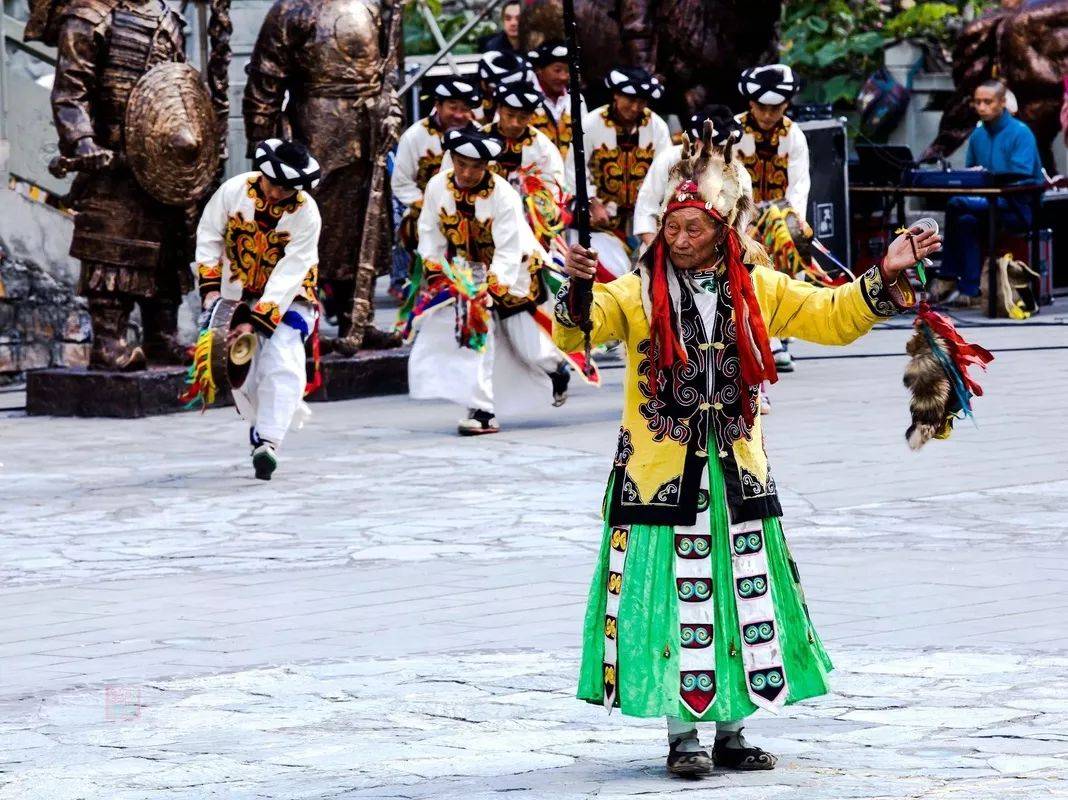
[919, 228]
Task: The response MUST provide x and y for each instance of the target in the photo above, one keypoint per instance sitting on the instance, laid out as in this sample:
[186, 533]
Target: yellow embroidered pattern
[252, 251]
[428, 167]
[309, 286]
[471, 238]
[618, 174]
[268, 311]
[558, 131]
[766, 166]
[480, 191]
[272, 211]
[209, 272]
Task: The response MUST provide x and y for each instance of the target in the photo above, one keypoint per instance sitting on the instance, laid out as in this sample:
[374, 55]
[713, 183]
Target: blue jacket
[1005, 145]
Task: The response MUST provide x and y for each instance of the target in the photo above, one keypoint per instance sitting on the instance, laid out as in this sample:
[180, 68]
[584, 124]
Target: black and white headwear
[498, 68]
[457, 89]
[521, 96]
[634, 82]
[772, 84]
[724, 126]
[286, 171]
[473, 143]
[548, 52]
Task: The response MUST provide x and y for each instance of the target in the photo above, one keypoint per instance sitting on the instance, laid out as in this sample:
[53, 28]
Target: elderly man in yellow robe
[696, 611]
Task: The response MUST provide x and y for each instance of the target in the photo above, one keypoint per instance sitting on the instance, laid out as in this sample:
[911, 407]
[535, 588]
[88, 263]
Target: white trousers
[509, 377]
[272, 399]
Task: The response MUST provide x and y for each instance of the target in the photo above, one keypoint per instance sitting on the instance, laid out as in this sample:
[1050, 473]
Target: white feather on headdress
[721, 181]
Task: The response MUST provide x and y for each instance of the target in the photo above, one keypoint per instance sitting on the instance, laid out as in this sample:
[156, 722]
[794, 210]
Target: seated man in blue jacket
[1006, 147]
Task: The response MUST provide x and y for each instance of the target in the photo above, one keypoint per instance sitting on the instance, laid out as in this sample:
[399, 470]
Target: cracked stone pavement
[398, 613]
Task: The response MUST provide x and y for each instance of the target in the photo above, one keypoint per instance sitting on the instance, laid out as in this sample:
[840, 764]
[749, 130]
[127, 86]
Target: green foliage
[835, 44]
[923, 20]
[418, 40]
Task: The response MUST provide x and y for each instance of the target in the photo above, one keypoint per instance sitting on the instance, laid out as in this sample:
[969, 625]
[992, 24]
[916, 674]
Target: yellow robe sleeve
[793, 308]
[608, 314]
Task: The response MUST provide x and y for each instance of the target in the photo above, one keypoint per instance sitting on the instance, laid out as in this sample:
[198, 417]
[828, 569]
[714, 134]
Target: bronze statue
[338, 61]
[133, 239]
[1026, 46]
[696, 47]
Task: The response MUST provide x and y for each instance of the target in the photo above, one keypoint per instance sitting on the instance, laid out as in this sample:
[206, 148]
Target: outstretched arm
[843, 314]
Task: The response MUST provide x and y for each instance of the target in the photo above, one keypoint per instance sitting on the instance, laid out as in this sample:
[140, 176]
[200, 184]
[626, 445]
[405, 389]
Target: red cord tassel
[316, 381]
[754, 348]
[666, 344]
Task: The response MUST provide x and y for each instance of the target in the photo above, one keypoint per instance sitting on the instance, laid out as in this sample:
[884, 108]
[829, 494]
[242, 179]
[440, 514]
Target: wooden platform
[84, 393]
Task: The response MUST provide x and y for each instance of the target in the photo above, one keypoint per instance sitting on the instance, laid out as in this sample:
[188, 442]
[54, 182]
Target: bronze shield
[172, 145]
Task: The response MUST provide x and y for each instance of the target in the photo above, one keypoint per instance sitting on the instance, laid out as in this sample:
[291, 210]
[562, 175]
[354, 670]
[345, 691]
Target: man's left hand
[900, 255]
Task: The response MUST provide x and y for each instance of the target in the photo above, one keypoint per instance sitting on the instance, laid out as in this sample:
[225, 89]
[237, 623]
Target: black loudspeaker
[1055, 217]
[828, 195]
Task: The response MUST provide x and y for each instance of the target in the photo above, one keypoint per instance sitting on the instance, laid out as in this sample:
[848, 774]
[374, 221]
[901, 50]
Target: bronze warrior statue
[137, 125]
[696, 47]
[1026, 46]
[338, 61]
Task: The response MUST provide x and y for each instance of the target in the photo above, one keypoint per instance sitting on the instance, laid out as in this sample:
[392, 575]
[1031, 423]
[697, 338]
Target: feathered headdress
[710, 180]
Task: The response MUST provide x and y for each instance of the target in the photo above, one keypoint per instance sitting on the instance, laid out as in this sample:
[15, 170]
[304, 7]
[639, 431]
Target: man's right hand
[581, 263]
[599, 217]
[91, 156]
[209, 300]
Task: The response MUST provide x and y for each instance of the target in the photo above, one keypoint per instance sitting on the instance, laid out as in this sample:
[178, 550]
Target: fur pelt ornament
[937, 376]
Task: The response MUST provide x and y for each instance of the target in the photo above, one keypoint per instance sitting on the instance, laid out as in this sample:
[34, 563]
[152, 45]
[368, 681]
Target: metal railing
[446, 47]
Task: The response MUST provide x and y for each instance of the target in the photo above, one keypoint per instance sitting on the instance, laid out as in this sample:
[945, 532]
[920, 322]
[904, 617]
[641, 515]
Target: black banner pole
[580, 296]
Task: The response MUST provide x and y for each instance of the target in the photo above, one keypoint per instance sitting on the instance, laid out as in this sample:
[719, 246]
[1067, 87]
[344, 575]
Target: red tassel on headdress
[662, 330]
[754, 347]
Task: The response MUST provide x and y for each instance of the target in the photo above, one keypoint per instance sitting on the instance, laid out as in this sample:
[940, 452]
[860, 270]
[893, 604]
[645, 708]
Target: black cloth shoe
[696, 764]
[264, 461]
[734, 752]
[560, 377]
[478, 423]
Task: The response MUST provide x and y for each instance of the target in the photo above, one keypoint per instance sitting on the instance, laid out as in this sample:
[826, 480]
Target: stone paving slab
[405, 605]
[901, 724]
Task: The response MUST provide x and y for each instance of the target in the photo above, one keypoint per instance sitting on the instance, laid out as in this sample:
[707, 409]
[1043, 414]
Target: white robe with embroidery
[794, 147]
[510, 375]
[421, 140]
[598, 133]
[272, 397]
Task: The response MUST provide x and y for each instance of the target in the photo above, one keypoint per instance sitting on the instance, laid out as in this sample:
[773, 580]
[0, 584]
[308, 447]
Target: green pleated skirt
[646, 623]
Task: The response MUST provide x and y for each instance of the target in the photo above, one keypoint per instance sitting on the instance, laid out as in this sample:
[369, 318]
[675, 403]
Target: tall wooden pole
[580, 295]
